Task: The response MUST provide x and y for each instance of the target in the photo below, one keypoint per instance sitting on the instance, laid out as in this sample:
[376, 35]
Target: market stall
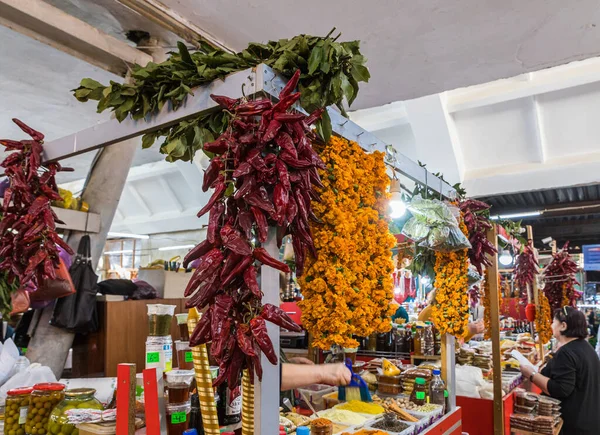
[249, 84]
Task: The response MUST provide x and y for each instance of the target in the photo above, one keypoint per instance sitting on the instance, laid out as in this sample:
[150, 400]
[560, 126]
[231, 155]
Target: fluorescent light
[173, 248]
[128, 235]
[516, 215]
[126, 251]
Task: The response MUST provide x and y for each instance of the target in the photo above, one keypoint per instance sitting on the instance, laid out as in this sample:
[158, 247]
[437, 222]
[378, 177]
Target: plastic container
[315, 395]
[185, 361]
[178, 418]
[159, 319]
[390, 389]
[436, 389]
[428, 341]
[350, 352]
[79, 398]
[419, 392]
[15, 410]
[44, 398]
[519, 409]
[321, 426]
[358, 366]
[409, 430]
[178, 386]
[184, 332]
[159, 353]
[390, 380]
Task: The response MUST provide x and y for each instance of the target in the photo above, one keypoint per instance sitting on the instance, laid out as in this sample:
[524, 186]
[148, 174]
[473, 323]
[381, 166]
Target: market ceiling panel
[499, 135]
[418, 48]
[570, 121]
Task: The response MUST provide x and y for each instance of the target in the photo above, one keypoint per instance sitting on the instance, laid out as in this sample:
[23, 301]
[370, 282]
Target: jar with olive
[15, 411]
[44, 398]
[78, 398]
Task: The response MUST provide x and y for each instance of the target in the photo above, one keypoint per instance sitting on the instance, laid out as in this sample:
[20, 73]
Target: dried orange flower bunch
[543, 318]
[348, 288]
[450, 312]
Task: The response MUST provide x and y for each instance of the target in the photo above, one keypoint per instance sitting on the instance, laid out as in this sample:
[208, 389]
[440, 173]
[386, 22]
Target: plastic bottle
[417, 338]
[428, 341]
[436, 389]
[302, 430]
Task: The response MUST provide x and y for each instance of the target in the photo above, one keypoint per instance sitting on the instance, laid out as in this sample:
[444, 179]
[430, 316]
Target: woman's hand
[335, 374]
[301, 360]
[476, 327]
[527, 370]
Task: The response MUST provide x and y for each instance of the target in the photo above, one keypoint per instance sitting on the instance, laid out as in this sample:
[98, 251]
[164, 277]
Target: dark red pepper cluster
[262, 174]
[477, 221]
[28, 237]
[560, 280]
[526, 268]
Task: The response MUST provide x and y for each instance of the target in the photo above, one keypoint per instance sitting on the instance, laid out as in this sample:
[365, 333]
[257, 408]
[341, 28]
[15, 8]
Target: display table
[449, 424]
[478, 414]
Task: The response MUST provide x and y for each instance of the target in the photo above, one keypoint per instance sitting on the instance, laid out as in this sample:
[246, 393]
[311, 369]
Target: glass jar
[44, 398]
[372, 342]
[321, 426]
[78, 398]
[178, 418]
[428, 341]
[419, 392]
[417, 338]
[159, 319]
[15, 411]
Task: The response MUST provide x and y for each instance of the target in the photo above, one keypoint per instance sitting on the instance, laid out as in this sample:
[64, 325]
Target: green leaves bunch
[331, 73]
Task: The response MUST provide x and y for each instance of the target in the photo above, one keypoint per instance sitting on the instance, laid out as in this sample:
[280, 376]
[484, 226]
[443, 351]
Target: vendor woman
[573, 375]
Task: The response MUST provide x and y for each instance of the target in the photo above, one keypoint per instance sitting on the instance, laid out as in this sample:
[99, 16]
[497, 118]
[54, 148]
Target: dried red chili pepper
[215, 215]
[256, 160]
[290, 85]
[294, 162]
[248, 185]
[244, 341]
[279, 317]
[261, 224]
[285, 142]
[233, 241]
[226, 102]
[260, 198]
[209, 264]
[238, 270]
[218, 194]
[212, 173]
[35, 135]
[281, 199]
[263, 256]
[271, 131]
[244, 168]
[252, 282]
[259, 331]
[202, 333]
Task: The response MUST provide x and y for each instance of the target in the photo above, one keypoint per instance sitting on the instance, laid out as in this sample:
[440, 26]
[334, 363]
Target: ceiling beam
[525, 85]
[142, 202]
[381, 118]
[172, 21]
[171, 194]
[49, 25]
[435, 136]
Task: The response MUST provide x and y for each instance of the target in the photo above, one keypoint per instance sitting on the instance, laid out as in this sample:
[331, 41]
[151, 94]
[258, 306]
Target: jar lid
[420, 381]
[78, 392]
[180, 376]
[19, 391]
[49, 386]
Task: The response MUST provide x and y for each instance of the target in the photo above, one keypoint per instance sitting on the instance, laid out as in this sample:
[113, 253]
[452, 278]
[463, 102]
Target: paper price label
[178, 417]
[23, 415]
[188, 357]
[420, 395]
[152, 357]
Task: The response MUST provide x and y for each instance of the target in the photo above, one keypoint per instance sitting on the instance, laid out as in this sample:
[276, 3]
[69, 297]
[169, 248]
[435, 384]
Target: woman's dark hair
[575, 320]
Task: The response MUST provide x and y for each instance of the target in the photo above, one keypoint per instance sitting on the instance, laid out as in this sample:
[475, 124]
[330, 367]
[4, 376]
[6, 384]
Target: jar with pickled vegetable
[78, 398]
[44, 398]
[15, 411]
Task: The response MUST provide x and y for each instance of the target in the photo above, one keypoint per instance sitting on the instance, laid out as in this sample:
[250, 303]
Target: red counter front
[478, 414]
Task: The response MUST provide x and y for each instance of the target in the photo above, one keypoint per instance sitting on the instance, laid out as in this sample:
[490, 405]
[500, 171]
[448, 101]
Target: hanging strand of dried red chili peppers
[476, 218]
[28, 237]
[526, 268]
[559, 276]
[262, 175]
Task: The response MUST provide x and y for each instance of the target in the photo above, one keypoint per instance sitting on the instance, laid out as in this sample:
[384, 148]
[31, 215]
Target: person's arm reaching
[301, 375]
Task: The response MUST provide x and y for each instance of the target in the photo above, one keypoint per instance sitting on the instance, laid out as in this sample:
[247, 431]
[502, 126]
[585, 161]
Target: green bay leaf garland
[331, 72]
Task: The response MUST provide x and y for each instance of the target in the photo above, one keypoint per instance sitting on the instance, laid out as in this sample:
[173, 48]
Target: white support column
[266, 393]
[437, 142]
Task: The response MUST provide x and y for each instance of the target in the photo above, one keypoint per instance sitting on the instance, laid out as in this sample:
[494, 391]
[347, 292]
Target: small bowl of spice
[390, 423]
[321, 426]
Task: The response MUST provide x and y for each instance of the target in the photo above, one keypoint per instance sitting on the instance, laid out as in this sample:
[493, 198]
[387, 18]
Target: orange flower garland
[543, 318]
[348, 289]
[450, 313]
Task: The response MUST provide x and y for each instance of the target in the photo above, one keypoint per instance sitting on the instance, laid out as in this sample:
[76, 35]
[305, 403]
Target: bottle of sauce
[229, 410]
[419, 392]
[417, 338]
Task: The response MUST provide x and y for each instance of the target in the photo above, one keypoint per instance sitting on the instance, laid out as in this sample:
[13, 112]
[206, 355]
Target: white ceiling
[535, 131]
[418, 48]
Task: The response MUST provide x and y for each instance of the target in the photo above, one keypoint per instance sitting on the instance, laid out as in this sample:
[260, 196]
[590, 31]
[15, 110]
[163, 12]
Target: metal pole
[494, 288]
[266, 393]
[50, 345]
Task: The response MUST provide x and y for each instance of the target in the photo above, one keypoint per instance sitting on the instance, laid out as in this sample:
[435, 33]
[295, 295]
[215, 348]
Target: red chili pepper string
[29, 241]
[262, 176]
[560, 282]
